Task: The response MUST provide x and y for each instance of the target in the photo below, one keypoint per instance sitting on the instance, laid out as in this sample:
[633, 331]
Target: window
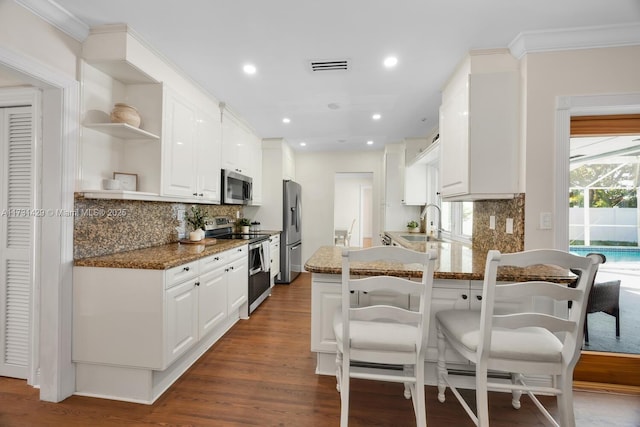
[457, 220]
[457, 217]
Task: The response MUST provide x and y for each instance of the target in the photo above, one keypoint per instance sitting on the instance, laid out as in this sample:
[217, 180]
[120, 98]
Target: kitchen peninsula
[457, 284]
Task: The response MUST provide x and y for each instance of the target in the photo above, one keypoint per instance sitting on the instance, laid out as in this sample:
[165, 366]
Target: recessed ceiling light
[390, 61]
[303, 144]
[286, 120]
[333, 106]
[376, 116]
[249, 69]
[369, 142]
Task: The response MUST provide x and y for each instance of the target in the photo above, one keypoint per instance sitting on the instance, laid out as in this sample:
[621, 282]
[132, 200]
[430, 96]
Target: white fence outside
[608, 224]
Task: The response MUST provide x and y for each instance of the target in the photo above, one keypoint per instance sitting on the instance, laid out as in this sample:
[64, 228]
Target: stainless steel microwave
[237, 189]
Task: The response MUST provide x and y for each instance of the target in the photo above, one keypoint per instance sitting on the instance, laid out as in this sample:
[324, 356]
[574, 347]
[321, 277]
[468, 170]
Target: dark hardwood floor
[262, 373]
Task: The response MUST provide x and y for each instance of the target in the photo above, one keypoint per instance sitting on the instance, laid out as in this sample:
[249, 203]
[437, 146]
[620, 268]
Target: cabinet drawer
[212, 262]
[179, 274]
[235, 253]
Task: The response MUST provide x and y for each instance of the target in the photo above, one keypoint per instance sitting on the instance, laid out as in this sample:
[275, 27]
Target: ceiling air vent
[329, 65]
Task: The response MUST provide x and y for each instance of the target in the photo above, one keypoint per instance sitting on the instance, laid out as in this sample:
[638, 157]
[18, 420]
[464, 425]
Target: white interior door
[17, 233]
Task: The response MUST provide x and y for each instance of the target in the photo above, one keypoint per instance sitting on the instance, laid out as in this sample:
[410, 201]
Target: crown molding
[575, 38]
[56, 15]
[524, 43]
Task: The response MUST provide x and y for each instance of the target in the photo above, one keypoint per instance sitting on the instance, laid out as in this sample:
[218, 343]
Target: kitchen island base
[326, 299]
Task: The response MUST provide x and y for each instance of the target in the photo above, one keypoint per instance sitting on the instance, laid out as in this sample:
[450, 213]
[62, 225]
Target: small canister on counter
[255, 227]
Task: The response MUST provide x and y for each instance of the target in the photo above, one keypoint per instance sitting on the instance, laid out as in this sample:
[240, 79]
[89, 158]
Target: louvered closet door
[17, 236]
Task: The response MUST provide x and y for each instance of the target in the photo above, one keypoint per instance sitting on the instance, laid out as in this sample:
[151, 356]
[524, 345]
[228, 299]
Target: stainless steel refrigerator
[291, 239]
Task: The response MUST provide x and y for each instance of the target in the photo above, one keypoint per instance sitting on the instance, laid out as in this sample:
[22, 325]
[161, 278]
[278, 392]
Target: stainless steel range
[259, 258]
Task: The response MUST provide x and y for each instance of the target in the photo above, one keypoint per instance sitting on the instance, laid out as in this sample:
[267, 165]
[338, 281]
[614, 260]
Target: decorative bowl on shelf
[123, 113]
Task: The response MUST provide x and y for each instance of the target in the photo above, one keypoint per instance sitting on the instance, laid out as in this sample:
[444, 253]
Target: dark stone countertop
[162, 257]
[455, 261]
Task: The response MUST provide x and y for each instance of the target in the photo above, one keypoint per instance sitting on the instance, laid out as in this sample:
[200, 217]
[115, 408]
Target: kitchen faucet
[423, 215]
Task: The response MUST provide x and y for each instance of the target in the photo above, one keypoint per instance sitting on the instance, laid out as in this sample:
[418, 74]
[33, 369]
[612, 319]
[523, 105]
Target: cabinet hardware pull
[479, 297]
[217, 258]
[185, 269]
[231, 268]
[464, 296]
[201, 194]
[197, 283]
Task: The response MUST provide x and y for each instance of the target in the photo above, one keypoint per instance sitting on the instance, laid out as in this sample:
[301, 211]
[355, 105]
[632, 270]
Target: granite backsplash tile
[103, 227]
[485, 239]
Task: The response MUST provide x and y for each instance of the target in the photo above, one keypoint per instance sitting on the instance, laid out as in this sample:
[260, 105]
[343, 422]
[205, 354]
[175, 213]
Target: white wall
[316, 172]
[547, 76]
[23, 32]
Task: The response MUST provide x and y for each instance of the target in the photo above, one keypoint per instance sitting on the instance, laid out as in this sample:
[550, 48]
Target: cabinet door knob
[201, 194]
[185, 269]
[195, 194]
[197, 283]
[217, 258]
[465, 296]
[231, 268]
[479, 297]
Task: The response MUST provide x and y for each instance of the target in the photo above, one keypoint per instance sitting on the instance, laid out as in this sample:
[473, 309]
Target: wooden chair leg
[409, 372]
[419, 396]
[338, 370]
[442, 366]
[344, 393]
[515, 394]
[482, 397]
[617, 315]
[565, 401]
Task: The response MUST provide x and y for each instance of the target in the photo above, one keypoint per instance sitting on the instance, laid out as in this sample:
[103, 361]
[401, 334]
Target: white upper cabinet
[242, 151]
[255, 168]
[479, 128]
[415, 185]
[177, 151]
[236, 147]
[179, 144]
[415, 174]
[191, 147]
[208, 146]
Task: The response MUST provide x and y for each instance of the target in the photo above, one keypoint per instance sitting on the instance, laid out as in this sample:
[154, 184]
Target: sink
[413, 238]
[419, 238]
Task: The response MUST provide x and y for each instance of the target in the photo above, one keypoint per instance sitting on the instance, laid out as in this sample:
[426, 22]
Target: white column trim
[60, 106]
[566, 107]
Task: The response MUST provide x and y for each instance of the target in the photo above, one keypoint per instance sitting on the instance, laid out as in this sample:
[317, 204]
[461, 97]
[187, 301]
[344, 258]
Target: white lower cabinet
[274, 255]
[136, 331]
[212, 299]
[182, 319]
[238, 281]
